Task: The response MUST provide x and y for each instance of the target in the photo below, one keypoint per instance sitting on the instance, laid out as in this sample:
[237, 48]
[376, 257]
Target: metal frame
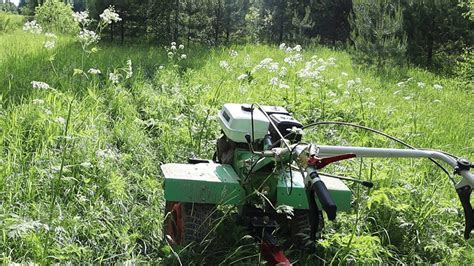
[467, 177]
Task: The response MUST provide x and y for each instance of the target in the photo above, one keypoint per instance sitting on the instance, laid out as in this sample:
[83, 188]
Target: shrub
[55, 16]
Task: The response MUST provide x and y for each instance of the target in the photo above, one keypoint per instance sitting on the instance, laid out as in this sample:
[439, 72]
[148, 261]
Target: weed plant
[79, 160]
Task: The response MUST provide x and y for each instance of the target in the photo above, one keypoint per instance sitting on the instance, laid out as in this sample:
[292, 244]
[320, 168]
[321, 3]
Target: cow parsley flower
[49, 44]
[50, 35]
[344, 74]
[38, 101]
[32, 27]
[224, 64]
[242, 77]
[298, 48]
[94, 71]
[81, 17]
[233, 53]
[273, 81]
[109, 15]
[88, 37]
[60, 120]
[350, 83]
[183, 56]
[129, 69]
[40, 85]
[282, 46]
[438, 87]
[114, 78]
[421, 84]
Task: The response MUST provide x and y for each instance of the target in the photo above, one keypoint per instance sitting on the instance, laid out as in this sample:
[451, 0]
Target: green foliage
[55, 16]
[109, 199]
[437, 32]
[377, 33]
[10, 22]
[465, 67]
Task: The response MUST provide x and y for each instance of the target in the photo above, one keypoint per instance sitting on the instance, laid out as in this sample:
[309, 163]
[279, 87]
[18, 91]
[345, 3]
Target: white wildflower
[32, 27]
[161, 67]
[170, 54]
[437, 87]
[233, 53]
[274, 81]
[407, 98]
[173, 47]
[436, 101]
[49, 44]
[224, 64]
[273, 67]
[350, 83]
[344, 74]
[81, 17]
[368, 90]
[109, 15]
[400, 84]
[40, 85]
[283, 71]
[298, 48]
[288, 50]
[242, 77]
[94, 71]
[266, 61]
[60, 120]
[282, 46]
[38, 101]
[183, 56]
[88, 37]
[86, 165]
[129, 70]
[181, 46]
[331, 94]
[332, 61]
[173, 43]
[114, 78]
[358, 80]
[283, 86]
[420, 84]
[50, 35]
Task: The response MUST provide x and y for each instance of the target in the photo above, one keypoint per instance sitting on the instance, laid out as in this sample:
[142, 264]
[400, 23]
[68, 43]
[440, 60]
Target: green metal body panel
[340, 193]
[202, 183]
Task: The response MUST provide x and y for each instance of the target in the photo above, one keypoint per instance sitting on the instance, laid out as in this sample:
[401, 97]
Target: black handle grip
[322, 193]
[464, 194]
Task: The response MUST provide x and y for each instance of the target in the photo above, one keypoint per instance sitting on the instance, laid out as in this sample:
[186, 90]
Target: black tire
[194, 225]
[300, 229]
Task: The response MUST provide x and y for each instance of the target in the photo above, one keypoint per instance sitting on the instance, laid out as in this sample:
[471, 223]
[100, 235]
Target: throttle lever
[464, 194]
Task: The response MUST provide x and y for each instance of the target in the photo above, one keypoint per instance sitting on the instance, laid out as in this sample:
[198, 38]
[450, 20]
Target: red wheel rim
[174, 223]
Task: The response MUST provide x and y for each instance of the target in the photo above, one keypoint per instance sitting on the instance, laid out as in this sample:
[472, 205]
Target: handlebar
[321, 192]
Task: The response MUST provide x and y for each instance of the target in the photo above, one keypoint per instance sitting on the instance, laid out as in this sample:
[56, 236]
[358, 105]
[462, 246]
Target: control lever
[464, 194]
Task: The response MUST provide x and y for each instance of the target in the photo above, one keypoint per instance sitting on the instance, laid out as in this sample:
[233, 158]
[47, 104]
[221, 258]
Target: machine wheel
[188, 222]
[300, 229]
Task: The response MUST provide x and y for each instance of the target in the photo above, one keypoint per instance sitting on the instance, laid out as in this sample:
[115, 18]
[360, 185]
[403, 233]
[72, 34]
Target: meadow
[79, 158]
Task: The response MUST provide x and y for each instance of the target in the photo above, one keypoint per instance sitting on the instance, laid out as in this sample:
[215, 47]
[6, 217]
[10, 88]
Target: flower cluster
[88, 37]
[174, 52]
[82, 17]
[40, 85]
[50, 42]
[109, 15]
[33, 27]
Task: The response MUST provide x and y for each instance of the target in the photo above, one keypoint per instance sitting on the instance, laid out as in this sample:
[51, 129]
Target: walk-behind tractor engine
[262, 166]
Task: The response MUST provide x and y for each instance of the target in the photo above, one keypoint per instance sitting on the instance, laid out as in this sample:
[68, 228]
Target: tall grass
[106, 204]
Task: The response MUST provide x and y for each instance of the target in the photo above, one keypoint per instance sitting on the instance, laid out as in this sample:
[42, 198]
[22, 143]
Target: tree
[377, 32]
[436, 31]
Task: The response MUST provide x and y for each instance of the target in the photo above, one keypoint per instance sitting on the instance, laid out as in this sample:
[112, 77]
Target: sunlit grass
[109, 202]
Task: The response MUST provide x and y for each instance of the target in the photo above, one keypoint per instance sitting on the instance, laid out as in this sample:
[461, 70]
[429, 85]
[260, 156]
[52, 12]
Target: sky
[14, 1]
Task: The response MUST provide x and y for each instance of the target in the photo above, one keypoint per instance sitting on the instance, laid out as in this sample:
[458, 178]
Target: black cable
[382, 134]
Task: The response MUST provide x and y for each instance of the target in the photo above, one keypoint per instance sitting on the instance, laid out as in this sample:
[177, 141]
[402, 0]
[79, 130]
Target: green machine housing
[214, 183]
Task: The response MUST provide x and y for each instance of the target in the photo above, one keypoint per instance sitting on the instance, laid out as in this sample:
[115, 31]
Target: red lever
[320, 163]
